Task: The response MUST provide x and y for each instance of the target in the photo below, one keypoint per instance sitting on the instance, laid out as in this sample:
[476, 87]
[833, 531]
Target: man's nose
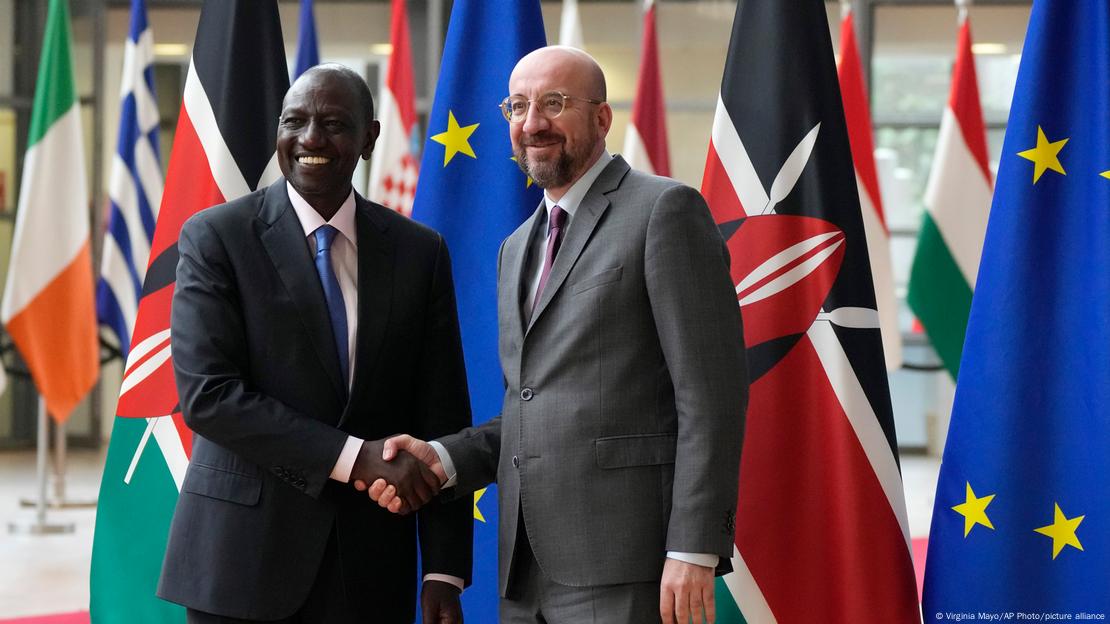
[313, 133]
[535, 120]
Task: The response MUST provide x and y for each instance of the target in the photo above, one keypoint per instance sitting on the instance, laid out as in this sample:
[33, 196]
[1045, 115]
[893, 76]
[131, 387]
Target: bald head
[569, 62]
[556, 145]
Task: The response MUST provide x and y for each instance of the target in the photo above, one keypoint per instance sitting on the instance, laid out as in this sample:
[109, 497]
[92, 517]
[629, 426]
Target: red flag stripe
[964, 101]
[857, 113]
[716, 184]
[398, 76]
[649, 109]
[799, 537]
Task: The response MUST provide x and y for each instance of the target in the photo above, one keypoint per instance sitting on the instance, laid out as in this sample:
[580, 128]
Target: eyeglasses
[515, 107]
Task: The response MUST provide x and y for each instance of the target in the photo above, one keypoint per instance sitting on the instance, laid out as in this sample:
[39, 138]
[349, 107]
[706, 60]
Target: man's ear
[604, 118]
[373, 131]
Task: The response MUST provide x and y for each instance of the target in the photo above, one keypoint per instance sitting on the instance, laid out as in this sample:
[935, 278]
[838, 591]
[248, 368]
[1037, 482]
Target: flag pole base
[40, 528]
[68, 503]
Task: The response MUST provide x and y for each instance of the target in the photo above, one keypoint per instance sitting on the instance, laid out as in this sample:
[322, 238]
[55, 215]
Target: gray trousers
[533, 598]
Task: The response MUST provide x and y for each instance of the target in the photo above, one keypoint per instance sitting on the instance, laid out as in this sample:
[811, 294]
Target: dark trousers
[327, 601]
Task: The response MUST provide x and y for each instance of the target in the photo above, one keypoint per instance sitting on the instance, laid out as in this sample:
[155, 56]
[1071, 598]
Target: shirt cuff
[448, 465]
[346, 462]
[704, 560]
[446, 578]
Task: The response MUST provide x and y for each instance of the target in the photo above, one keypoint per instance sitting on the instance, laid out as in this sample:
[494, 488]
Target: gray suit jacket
[619, 438]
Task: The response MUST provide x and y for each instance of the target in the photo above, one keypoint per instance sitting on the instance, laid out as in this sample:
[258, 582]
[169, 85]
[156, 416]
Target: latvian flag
[857, 114]
[821, 532]
[393, 168]
[645, 143]
[957, 204]
[223, 148]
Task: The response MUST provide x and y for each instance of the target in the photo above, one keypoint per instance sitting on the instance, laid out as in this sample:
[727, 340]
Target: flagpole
[61, 454]
[40, 526]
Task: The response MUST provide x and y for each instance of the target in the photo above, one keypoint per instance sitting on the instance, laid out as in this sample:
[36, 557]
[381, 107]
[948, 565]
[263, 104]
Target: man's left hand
[686, 592]
[439, 603]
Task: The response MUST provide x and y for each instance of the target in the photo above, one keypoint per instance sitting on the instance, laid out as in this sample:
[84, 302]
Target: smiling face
[326, 124]
[556, 152]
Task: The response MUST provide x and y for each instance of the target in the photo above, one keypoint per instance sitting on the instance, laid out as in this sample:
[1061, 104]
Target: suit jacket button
[516, 462]
[527, 394]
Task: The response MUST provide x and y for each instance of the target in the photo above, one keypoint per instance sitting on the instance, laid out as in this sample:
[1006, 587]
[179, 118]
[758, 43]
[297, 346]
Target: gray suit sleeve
[698, 322]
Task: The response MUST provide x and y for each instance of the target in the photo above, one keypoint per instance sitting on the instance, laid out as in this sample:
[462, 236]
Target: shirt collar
[343, 220]
[577, 192]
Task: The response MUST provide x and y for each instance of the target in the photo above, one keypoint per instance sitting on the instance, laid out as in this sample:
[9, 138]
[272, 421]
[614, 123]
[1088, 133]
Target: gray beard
[552, 173]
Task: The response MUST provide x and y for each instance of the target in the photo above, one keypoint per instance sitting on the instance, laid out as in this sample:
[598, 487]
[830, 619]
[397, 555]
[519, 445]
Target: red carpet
[80, 617]
[920, 547]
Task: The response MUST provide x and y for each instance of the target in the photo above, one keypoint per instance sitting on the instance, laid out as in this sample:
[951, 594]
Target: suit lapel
[375, 292]
[582, 227]
[285, 243]
[516, 255]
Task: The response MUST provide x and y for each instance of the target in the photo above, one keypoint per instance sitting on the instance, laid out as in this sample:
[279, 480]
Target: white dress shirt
[569, 202]
[344, 261]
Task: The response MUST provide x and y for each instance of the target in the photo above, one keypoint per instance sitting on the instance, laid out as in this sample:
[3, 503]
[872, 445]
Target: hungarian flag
[857, 115]
[48, 306]
[957, 203]
[223, 149]
[821, 528]
[645, 142]
[394, 168]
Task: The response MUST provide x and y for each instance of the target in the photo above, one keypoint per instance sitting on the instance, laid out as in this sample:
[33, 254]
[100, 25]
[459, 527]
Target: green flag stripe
[132, 521]
[727, 611]
[939, 295]
[54, 91]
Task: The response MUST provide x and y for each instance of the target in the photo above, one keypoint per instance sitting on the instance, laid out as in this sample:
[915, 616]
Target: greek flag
[135, 188]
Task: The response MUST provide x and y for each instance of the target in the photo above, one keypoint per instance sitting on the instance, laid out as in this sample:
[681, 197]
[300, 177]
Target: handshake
[400, 473]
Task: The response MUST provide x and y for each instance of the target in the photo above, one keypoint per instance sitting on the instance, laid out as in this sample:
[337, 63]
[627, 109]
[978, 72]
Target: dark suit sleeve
[446, 526]
[698, 322]
[211, 368]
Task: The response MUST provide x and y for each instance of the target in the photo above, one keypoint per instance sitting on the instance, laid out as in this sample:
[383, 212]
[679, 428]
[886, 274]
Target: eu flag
[471, 190]
[308, 53]
[1021, 526]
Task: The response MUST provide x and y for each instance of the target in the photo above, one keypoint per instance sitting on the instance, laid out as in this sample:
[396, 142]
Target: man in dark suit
[617, 450]
[307, 321]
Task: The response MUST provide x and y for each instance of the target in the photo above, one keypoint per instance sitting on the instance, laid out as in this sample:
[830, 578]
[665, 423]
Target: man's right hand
[413, 483]
[384, 491]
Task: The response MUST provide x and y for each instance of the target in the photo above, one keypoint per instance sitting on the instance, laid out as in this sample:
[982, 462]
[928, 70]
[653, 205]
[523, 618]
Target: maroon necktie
[555, 226]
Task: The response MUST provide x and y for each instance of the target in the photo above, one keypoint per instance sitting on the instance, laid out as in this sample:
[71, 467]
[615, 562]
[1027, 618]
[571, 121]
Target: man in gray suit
[617, 450]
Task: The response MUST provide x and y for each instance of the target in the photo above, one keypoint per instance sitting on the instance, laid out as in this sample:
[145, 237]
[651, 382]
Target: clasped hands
[400, 473]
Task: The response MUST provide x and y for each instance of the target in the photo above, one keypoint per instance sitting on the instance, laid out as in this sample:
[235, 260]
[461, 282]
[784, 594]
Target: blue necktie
[325, 234]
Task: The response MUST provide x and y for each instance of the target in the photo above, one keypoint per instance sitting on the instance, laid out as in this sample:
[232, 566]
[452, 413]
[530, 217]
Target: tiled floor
[50, 574]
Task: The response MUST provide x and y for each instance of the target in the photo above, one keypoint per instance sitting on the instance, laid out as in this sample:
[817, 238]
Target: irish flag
[957, 202]
[48, 303]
